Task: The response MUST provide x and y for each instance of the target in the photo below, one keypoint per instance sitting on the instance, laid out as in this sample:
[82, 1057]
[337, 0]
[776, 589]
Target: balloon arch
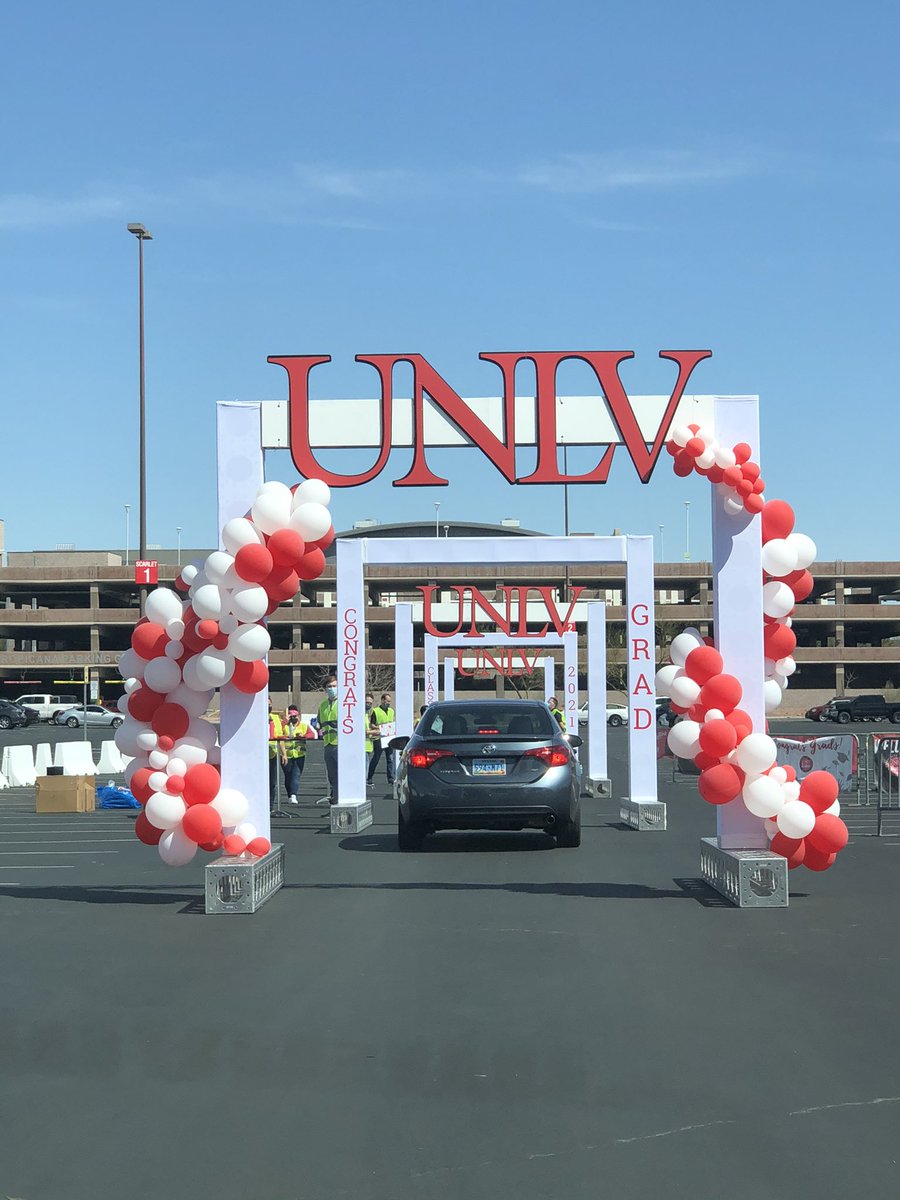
[210, 631]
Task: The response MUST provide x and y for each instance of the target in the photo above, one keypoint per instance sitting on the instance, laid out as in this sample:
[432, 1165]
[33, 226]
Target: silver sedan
[94, 714]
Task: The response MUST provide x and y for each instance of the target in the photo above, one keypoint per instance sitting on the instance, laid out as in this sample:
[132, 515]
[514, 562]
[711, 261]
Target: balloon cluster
[802, 818]
[182, 649]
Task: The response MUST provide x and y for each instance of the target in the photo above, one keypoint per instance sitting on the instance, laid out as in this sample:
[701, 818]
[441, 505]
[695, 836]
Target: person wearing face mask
[328, 727]
[371, 733]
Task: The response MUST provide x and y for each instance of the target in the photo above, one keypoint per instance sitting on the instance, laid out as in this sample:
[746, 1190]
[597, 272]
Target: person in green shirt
[553, 705]
[382, 714]
[276, 732]
[328, 726]
[371, 733]
[293, 750]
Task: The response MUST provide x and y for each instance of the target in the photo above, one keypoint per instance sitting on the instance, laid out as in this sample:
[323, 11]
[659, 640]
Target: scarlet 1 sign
[146, 571]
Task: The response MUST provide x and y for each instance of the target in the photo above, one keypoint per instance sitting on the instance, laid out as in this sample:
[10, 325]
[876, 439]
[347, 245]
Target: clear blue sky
[446, 179]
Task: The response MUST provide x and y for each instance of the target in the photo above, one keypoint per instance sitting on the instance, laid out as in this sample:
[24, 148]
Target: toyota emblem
[490, 748]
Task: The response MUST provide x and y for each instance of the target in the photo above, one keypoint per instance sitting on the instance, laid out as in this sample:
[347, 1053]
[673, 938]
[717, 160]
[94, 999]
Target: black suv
[14, 715]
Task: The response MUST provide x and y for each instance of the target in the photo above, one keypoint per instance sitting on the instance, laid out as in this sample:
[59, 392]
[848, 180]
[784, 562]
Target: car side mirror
[575, 740]
[398, 743]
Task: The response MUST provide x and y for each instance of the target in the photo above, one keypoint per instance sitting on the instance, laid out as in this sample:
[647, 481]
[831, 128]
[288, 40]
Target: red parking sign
[146, 570]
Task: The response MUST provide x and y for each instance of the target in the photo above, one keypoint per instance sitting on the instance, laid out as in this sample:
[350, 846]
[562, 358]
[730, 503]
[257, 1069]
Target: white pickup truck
[47, 705]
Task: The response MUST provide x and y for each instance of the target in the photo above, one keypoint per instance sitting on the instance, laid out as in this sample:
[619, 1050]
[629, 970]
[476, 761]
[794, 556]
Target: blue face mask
[332, 692]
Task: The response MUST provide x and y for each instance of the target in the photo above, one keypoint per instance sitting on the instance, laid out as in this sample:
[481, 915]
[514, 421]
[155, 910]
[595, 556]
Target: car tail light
[550, 756]
[427, 758]
[489, 732]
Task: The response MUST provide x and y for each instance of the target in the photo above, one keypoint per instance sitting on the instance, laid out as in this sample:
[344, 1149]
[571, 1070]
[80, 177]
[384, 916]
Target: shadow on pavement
[152, 894]
[686, 889]
[452, 843]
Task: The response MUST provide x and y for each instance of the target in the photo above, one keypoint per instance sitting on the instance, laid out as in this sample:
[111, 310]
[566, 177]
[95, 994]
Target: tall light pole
[178, 531]
[437, 509]
[662, 544]
[687, 530]
[127, 532]
[143, 235]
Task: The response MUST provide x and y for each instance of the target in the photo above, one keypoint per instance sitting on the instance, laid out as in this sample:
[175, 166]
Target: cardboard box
[65, 793]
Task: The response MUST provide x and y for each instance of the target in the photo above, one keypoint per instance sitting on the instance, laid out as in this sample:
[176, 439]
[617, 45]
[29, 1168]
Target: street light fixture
[143, 235]
[127, 533]
[662, 544]
[437, 509]
[687, 530]
[178, 529]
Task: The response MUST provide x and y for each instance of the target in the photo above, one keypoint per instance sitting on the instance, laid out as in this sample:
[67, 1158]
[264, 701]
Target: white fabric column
[598, 765]
[549, 665]
[641, 657]
[244, 721]
[404, 700]
[570, 674]
[737, 606]
[351, 670]
[431, 670]
[449, 668]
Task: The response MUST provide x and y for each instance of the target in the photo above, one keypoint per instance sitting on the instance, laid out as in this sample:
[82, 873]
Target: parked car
[45, 704]
[616, 714]
[95, 715]
[863, 708]
[817, 712]
[488, 764]
[14, 716]
[665, 717]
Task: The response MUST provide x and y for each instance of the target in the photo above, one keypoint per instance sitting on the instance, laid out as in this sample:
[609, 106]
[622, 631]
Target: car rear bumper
[491, 817]
[501, 807]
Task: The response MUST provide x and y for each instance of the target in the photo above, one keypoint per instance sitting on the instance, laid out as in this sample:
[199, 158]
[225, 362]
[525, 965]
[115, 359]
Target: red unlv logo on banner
[501, 451]
[516, 611]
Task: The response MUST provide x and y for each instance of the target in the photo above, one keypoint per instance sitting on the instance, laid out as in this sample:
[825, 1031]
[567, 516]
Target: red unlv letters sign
[500, 450]
[513, 621]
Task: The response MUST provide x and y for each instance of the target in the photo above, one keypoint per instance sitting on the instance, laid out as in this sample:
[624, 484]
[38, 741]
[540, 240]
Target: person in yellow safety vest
[328, 725]
[382, 715]
[294, 752]
[371, 731]
[553, 705]
[276, 733]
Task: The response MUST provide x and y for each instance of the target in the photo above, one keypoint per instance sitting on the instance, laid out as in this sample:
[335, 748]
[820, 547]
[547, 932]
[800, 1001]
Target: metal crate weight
[235, 884]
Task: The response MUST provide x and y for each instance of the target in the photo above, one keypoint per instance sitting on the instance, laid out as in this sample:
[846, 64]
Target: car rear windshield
[512, 720]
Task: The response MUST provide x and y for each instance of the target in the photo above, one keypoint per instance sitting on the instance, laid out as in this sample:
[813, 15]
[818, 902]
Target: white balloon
[725, 457]
[127, 736]
[163, 605]
[779, 774]
[205, 733]
[665, 677]
[772, 694]
[714, 714]
[683, 739]
[805, 548]
[240, 532]
[190, 573]
[158, 759]
[250, 642]
[133, 767]
[162, 675]
[792, 789]
[779, 557]
[194, 702]
[164, 811]
[190, 751]
[834, 810]
[231, 806]
[208, 602]
[131, 665]
[705, 460]
[218, 565]
[147, 740]
[681, 435]
[786, 667]
[122, 702]
[771, 829]
[176, 849]
[796, 819]
[174, 650]
[157, 780]
[682, 645]
[272, 509]
[732, 507]
[311, 520]
[247, 831]
[131, 685]
[315, 491]
[778, 599]
[175, 629]
[176, 766]
[214, 667]
[249, 603]
[755, 754]
[763, 797]
[684, 691]
[228, 623]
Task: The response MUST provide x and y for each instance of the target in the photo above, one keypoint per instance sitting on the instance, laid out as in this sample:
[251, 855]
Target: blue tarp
[113, 797]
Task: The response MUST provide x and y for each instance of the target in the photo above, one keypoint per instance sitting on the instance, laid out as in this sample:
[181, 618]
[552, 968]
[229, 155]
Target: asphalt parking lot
[491, 1017]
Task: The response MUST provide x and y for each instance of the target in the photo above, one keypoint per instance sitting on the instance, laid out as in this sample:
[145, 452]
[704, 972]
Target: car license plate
[490, 766]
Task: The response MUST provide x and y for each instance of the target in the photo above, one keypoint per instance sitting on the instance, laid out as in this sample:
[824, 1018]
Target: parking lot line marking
[50, 853]
[65, 841]
[41, 867]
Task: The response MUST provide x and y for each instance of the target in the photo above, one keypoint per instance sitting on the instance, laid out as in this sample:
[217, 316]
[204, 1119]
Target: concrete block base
[353, 816]
[748, 878]
[643, 814]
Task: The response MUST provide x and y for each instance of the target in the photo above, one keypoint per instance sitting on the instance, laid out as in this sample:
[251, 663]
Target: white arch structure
[547, 664]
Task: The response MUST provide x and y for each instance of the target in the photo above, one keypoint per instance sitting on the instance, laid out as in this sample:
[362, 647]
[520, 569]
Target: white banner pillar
[431, 670]
[244, 720]
[449, 669]
[549, 665]
[640, 632]
[570, 675]
[351, 670]
[404, 699]
[737, 607]
[598, 765]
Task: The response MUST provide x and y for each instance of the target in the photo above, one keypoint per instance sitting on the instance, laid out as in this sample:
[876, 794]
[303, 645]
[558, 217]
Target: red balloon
[145, 832]
[744, 488]
[777, 520]
[793, 849]
[286, 547]
[140, 786]
[753, 504]
[816, 860]
[201, 784]
[181, 586]
[683, 464]
[715, 474]
[704, 662]
[696, 713]
[259, 846]
[819, 790]
[326, 539]
[282, 584]
[312, 564]
[214, 844]
[829, 834]
[732, 476]
[234, 844]
[149, 640]
[718, 738]
[192, 639]
[201, 823]
[220, 641]
[175, 785]
[705, 761]
[170, 721]
[253, 563]
[759, 485]
[250, 677]
[750, 470]
[801, 583]
[779, 641]
[207, 630]
[720, 784]
[742, 722]
[742, 453]
[672, 447]
[143, 703]
[722, 692]
[165, 743]
[790, 772]
[695, 447]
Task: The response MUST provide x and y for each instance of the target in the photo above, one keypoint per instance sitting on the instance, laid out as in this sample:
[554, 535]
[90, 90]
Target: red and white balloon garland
[183, 649]
[802, 818]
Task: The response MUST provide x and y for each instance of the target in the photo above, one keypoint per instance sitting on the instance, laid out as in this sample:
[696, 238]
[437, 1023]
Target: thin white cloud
[24, 211]
[586, 174]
